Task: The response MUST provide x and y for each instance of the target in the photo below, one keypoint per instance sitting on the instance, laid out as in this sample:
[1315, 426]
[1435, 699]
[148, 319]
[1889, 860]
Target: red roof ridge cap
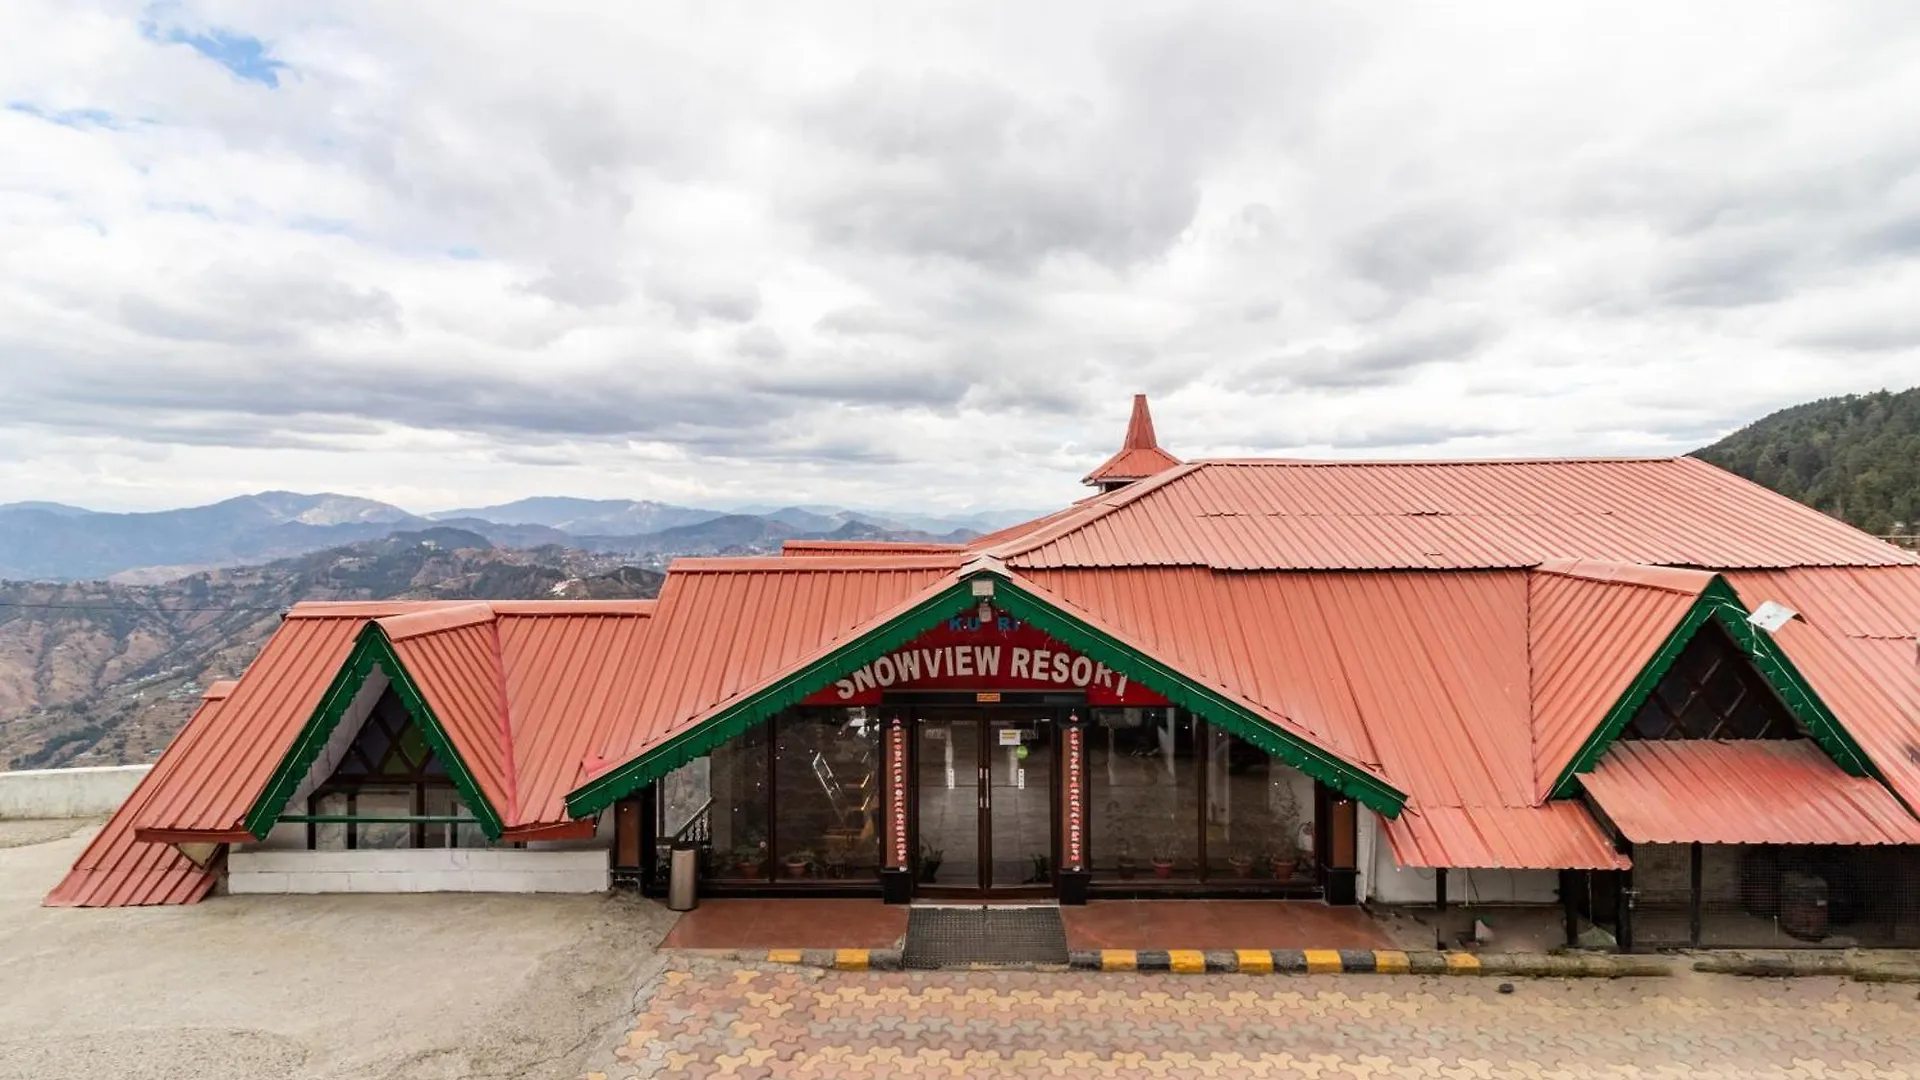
[1100, 507]
[366, 609]
[219, 690]
[1677, 579]
[764, 564]
[1298, 462]
[559, 608]
[415, 624]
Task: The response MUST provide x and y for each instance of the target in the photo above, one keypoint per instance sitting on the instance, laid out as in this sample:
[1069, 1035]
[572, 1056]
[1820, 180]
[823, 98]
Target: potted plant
[1241, 864]
[750, 861]
[1042, 869]
[1163, 864]
[799, 862]
[930, 857]
[1282, 864]
[1124, 862]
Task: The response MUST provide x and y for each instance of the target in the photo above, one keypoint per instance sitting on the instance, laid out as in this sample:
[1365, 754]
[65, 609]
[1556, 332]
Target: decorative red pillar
[1074, 856]
[896, 876]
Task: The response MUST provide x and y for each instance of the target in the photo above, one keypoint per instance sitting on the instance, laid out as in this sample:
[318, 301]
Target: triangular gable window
[390, 747]
[1712, 692]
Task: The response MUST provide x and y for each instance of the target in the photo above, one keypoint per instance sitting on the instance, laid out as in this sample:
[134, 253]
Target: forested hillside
[1855, 457]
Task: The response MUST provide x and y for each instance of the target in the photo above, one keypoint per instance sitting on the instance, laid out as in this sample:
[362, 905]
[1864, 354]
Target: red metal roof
[863, 547]
[1857, 642]
[1299, 515]
[223, 766]
[117, 869]
[453, 657]
[1139, 456]
[1732, 793]
[1552, 836]
[727, 626]
[1592, 628]
[518, 685]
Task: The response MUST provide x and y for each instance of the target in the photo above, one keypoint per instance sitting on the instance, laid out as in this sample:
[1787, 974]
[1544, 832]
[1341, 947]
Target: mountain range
[100, 672]
[42, 541]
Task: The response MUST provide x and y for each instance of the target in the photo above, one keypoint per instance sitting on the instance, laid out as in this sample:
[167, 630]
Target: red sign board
[1001, 654]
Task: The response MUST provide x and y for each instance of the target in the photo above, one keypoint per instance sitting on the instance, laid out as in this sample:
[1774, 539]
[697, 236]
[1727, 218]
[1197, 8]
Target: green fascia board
[1718, 602]
[603, 791]
[371, 651]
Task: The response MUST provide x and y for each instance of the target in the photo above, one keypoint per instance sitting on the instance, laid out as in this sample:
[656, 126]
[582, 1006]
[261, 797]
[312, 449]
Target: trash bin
[683, 876]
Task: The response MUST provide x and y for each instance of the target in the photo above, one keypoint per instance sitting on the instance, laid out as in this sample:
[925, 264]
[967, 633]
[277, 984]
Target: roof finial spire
[1140, 455]
[1140, 428]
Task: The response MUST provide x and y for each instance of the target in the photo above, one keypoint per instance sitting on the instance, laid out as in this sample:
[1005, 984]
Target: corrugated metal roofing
[117, 869]
[222, 767]
[726, 626]
[518, 685]
[1298, 515]
[1552, 836]
[1732, 793]
[1857, 642]
[453, 657]
[1139, 455]
[565, 672]
[1592, 627]
[882, 548]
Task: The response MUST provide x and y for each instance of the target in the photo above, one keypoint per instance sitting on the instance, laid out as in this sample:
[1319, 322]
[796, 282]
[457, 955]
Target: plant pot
[1282, 871]
[1163, 868]
[796, 869]
[1126, 871]
[1242, 868]
[929, 869]
[756, 869]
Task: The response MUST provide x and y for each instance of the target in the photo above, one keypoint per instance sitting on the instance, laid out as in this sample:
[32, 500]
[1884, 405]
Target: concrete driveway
[344, 986]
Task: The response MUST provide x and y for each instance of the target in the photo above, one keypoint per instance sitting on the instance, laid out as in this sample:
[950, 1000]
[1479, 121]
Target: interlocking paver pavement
[707, 1018]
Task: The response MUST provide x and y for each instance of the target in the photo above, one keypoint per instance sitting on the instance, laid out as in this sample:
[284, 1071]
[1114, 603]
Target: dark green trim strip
[1718, 602]
[1323, 766]
[370, 651]
[603, 791]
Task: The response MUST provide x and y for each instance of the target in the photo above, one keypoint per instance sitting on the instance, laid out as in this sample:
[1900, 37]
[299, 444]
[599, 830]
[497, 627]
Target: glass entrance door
[985, 802]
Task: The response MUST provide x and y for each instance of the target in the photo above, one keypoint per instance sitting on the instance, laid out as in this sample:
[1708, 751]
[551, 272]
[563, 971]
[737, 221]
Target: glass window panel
[1143, 779]
[737, 779]
[383, 802]
[444, 802]
[828, 770]
[1259, 812]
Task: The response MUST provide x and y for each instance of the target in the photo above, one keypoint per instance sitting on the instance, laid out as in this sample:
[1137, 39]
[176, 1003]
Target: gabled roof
[512, 686]
[1759, 791]
[883, 548]
[1857, 643]
[1139, 455]
[1592, 629]
[1423, 675]
[1335, 515]
[738, 639]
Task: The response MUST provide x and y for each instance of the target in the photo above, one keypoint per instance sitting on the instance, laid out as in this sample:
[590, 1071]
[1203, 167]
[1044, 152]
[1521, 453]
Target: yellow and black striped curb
[1274, 962]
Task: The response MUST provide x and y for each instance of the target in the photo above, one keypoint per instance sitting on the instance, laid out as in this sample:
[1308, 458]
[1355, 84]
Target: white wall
[265, 870]
[1385, 882]
[67, 793]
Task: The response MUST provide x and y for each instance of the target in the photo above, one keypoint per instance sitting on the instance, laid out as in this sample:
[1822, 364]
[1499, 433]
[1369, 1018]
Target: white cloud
[461, 253]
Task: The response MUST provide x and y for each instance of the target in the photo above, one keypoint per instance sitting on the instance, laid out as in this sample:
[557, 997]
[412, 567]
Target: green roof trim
[371, 651]
[756, 708]
[1719, 603]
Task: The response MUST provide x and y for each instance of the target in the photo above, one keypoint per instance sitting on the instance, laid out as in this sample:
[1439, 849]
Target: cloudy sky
[456, 253]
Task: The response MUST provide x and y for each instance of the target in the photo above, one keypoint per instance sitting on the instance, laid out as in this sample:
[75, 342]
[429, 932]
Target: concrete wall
[257, 870]
[1385, 882]
[67, 793]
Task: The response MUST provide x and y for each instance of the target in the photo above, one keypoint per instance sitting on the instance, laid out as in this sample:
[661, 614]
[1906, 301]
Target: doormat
[939, 937]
